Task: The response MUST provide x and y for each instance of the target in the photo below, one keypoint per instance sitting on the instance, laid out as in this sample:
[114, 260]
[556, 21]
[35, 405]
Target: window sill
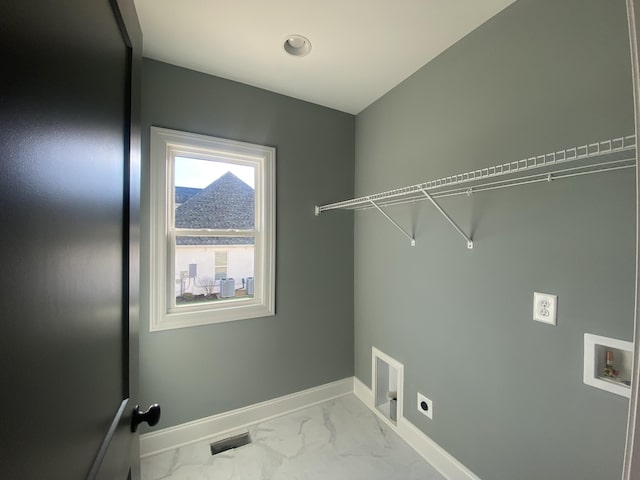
[230, 313]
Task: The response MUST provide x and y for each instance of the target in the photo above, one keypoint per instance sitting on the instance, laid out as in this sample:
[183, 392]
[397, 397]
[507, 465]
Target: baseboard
[433, 453]
[217, 425]
[363, 392]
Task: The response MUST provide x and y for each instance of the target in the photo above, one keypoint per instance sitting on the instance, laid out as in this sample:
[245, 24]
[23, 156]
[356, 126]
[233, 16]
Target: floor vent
[230, 443]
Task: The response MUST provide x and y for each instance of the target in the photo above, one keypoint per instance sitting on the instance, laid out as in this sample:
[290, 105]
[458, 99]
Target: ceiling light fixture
[296, 45]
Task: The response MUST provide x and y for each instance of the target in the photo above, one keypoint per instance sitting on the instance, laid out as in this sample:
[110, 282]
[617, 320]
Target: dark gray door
[69, 157]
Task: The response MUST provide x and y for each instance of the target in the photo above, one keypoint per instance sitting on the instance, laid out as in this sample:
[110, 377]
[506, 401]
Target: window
[212, 229]
[220, 265]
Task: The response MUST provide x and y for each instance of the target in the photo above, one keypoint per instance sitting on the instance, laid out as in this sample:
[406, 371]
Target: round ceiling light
[297, 45]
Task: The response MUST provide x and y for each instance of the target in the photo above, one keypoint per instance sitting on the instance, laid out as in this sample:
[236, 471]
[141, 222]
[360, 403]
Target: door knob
[151, 416]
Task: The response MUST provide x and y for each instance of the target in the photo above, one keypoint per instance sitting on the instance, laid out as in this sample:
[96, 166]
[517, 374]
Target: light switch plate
[544, 307]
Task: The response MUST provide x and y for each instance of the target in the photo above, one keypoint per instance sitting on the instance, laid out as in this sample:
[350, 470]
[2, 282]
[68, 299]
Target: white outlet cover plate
[429, 412]
[544, 307]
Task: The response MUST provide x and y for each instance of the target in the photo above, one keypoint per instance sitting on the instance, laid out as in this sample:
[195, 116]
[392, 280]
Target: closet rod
[477, 177]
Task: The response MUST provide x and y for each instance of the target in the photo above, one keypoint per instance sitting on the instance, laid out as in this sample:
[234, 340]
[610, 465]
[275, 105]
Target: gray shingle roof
[227, 203]
[185, 193]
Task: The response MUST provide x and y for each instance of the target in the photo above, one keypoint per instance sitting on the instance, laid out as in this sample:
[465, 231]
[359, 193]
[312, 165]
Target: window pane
[210, 269]
[215, 195]
[220, 264]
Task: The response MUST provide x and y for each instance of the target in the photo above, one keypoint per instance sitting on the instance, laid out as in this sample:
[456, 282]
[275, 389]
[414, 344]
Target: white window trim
[165, 145]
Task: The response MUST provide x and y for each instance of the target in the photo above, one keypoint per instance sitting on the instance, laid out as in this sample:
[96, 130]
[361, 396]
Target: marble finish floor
[337, 440]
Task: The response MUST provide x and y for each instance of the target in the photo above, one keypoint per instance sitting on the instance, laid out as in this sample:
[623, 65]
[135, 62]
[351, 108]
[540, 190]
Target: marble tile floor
[337, 440]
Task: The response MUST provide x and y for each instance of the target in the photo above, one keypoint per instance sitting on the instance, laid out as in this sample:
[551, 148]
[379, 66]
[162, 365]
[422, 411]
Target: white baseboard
[223, 423]
[433, 453]
[217, 425]
[363, 392]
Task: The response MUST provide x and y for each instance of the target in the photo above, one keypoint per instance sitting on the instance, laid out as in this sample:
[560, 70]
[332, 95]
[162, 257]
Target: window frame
[165, 146]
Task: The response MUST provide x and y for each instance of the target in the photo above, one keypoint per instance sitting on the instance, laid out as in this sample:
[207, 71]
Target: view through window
[215, 196]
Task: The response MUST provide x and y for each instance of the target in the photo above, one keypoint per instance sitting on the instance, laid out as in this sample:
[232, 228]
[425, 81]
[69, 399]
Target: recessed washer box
[595, 352]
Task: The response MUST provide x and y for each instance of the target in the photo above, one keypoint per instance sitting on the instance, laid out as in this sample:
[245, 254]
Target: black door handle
[151, 416]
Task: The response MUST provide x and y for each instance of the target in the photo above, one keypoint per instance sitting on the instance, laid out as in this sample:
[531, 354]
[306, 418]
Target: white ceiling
[361, 48]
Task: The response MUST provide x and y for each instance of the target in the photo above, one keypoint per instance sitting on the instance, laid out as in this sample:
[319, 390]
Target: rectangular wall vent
[387, 385]
[230, 443]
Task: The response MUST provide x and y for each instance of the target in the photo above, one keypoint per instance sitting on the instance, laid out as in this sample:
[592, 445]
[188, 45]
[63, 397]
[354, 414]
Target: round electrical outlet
[425, 406]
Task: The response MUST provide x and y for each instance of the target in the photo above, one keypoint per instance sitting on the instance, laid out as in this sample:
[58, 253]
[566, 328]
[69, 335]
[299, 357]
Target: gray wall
[199, 371]
[509, 401]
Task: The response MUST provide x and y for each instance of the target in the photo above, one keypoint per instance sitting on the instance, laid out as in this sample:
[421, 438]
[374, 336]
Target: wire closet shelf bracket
[604, 156]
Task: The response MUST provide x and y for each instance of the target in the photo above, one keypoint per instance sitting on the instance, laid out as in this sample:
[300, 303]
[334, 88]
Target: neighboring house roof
[185, 193]
[227, 203]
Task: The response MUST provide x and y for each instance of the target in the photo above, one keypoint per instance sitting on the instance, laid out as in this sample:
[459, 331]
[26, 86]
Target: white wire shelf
[607, 155]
